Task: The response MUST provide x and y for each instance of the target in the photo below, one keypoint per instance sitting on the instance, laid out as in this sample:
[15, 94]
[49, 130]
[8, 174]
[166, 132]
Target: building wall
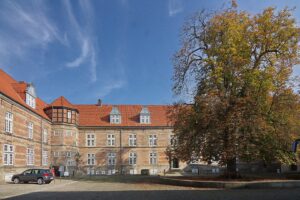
[20, 137]
[122, 149]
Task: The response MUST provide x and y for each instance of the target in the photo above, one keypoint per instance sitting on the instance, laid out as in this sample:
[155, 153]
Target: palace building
[82, 139]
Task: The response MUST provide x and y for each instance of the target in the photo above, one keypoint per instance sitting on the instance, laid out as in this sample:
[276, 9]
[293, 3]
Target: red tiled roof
[62, 101]
[13, 89]
[89, 115]
[94, 115]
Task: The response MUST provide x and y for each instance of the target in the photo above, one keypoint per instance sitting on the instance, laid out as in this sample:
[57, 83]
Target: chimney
[99, 102]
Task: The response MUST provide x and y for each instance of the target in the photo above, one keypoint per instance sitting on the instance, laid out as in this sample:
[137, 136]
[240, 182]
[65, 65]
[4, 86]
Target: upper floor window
[152, 140]
[132, 158]
[111, 140]
[56, 153]
[115, 116]
[8, 154]
[132, 140]
[30, 156]
[173, 140]
[111, 158]
[30, 96]
[45, 135]
[69, 115]
[145, 116]
[90, 140]
[30, 130]
[9, 122]
[68, 154]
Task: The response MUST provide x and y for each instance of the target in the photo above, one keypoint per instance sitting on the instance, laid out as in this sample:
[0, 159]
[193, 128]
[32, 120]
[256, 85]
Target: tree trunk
[231, 169]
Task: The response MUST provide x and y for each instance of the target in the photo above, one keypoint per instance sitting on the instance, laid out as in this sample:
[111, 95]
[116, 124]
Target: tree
[244, 103]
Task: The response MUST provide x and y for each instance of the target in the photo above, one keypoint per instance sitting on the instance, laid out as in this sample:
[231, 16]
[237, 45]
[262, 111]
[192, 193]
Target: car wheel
[16, 180]
[40, 181]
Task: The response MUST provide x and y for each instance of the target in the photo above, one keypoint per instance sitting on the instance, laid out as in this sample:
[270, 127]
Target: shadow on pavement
[168, 194]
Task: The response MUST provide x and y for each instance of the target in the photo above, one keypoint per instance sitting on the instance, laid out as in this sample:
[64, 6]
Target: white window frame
[68, 133]
[111, 140]
[30, 100]
[153, 140]
[56, 153]
[145, 119]
[132, 158]
[111, 158]
[9, 120]
[44, 158]
[69, 114]
[68, 154]
[30, 156]
[115, 119]
[153, 158]
[8, 154]
[90, 140]
[45, 135]
[132, 140]
[30, 130]
[91, 159]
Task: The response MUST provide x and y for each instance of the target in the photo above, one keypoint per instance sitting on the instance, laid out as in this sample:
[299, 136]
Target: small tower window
[145, 116]
[115, 116]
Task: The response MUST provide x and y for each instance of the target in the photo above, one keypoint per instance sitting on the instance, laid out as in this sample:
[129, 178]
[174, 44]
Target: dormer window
[30, 96]
[115, 116]
[145, 116]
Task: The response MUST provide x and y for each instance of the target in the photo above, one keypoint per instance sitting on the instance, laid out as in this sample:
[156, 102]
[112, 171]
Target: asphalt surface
[133, 191]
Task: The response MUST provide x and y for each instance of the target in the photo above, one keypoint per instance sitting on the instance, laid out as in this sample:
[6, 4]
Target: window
[30, 100]
[8, 154]
[56, 154]
[45, 158]
[115, 119]
[111, 140]
[45, 135]
[9, 122]
[30, 130]
[145, 116]
[144, 119]
[111, 157]
[69, 114]
[152, 140]
[153, 158]
[132, 140]
[91, 159]
[71, 163]
[90, 140]
[57, 132]
[30, 156]
[173, 140]
[132, 158]
[115, 116]
[68, 133]
[68, 154]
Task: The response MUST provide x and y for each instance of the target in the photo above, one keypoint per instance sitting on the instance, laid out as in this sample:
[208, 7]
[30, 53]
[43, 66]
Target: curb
[232, 185]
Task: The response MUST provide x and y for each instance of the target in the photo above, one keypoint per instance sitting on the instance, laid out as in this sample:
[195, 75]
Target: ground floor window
[90, 171]
[132, 158]
[30, 156]
[8, 154]
[45, 158]
[153, 158]
[91, 159]
[111, 157]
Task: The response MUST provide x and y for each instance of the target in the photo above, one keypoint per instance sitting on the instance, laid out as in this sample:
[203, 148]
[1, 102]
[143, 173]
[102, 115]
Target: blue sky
[116, 50]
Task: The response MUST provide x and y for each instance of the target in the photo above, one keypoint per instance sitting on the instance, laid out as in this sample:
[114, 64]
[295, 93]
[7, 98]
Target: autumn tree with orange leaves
[245, 105]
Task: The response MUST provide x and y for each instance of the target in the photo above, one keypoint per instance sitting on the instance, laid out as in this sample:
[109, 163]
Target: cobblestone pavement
[133, 191]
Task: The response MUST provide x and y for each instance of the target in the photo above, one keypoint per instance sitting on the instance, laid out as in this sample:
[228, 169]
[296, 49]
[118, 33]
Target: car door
[35, 174]
[26, 175]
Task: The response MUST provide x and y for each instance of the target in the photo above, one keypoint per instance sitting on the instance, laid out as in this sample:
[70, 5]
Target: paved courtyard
[68, 189]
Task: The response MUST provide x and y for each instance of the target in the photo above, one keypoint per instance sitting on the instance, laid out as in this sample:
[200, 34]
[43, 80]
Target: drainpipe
[121, 162]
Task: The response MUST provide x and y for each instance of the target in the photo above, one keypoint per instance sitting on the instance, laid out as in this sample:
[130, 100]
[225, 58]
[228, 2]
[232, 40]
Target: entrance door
[175, 163]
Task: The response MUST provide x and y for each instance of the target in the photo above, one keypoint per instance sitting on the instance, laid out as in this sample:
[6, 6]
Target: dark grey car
[40, 176]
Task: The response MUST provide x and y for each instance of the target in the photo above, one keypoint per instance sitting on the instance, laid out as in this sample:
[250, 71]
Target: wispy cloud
[84, 37]
[31, 28]
[175, 7]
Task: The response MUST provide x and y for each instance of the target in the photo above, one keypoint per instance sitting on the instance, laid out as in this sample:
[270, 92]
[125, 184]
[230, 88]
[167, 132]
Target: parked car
[40, 176]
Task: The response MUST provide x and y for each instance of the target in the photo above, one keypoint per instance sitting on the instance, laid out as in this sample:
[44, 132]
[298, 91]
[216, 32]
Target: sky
[119, 51]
